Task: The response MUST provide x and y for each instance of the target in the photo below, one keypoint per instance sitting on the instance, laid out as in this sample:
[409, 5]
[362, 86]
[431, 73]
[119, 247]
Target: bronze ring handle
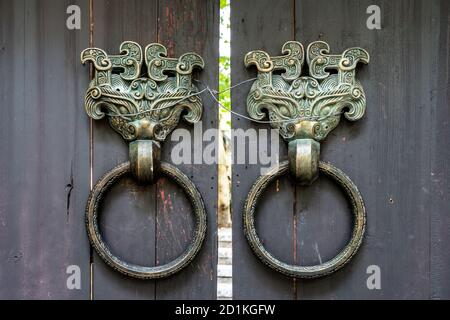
[306, 271]
[137, 271]
[304, 109]
[143, 93]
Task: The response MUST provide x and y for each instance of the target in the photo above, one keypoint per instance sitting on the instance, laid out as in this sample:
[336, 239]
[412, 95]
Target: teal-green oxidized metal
[143, 94]
[142, 107]
[305, 109]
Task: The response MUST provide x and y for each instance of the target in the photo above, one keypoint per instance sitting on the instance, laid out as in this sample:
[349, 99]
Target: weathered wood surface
[45, 147]
[44, 154]
[129, 213]
[396, 154]
[186, 26]
[152, 225]
[259, 25]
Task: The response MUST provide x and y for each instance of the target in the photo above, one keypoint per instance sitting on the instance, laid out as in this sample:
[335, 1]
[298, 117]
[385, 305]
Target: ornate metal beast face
[306, 106]
[305, 109]
[142, 103]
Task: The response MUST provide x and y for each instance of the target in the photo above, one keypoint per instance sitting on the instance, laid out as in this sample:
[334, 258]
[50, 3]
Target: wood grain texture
[44, 163]
[191, 26]
[396, 155]
[259, 25]
[440, 168]
[128, 214]
[153, 225]
[389, 154]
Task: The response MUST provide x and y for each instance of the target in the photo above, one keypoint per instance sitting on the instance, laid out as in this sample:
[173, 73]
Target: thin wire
[127, 115]
[228, 89]
[269, 121]
[213, 94]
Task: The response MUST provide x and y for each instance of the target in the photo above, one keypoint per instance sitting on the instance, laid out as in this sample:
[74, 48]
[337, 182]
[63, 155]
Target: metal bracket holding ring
[143, 110]
[305, 109]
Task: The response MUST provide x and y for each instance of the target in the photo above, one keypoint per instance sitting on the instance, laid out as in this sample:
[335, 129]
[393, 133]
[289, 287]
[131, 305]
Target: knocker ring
[95, 197]
[305, 109]
[305, 271]
[143, 110]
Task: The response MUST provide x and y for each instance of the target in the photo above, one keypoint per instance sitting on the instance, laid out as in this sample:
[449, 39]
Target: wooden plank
[440, 153]
[393, 154]
[162, 209]
[44, 162]
[129, 210]
[190, 27]
[259, 25]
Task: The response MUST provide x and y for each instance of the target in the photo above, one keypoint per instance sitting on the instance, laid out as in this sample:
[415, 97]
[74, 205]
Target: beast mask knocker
[305, 109]
[143, 103]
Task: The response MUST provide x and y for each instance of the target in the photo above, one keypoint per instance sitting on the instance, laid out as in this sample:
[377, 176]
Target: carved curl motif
[142, 103]
[306, 106]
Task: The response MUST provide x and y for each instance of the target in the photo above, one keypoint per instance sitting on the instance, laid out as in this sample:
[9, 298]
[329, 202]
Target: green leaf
[224, 3]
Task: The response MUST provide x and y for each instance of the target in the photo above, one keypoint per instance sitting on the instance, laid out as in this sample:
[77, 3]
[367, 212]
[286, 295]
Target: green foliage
[224, 66]
[224, 3]
[224, 82]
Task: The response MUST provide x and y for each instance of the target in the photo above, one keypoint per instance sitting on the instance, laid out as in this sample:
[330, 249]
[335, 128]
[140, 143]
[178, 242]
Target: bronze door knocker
[143, 110]
[305, 109]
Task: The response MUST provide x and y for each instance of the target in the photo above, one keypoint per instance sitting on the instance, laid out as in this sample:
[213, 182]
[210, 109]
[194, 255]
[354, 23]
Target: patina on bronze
[305, 109]
[143, 106]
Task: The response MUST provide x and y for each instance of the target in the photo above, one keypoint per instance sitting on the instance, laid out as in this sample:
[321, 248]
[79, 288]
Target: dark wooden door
[397, 155]
[51, 154]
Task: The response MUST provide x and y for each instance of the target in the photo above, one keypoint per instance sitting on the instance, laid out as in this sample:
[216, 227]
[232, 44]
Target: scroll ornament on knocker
[305, 109]
[143, 106]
